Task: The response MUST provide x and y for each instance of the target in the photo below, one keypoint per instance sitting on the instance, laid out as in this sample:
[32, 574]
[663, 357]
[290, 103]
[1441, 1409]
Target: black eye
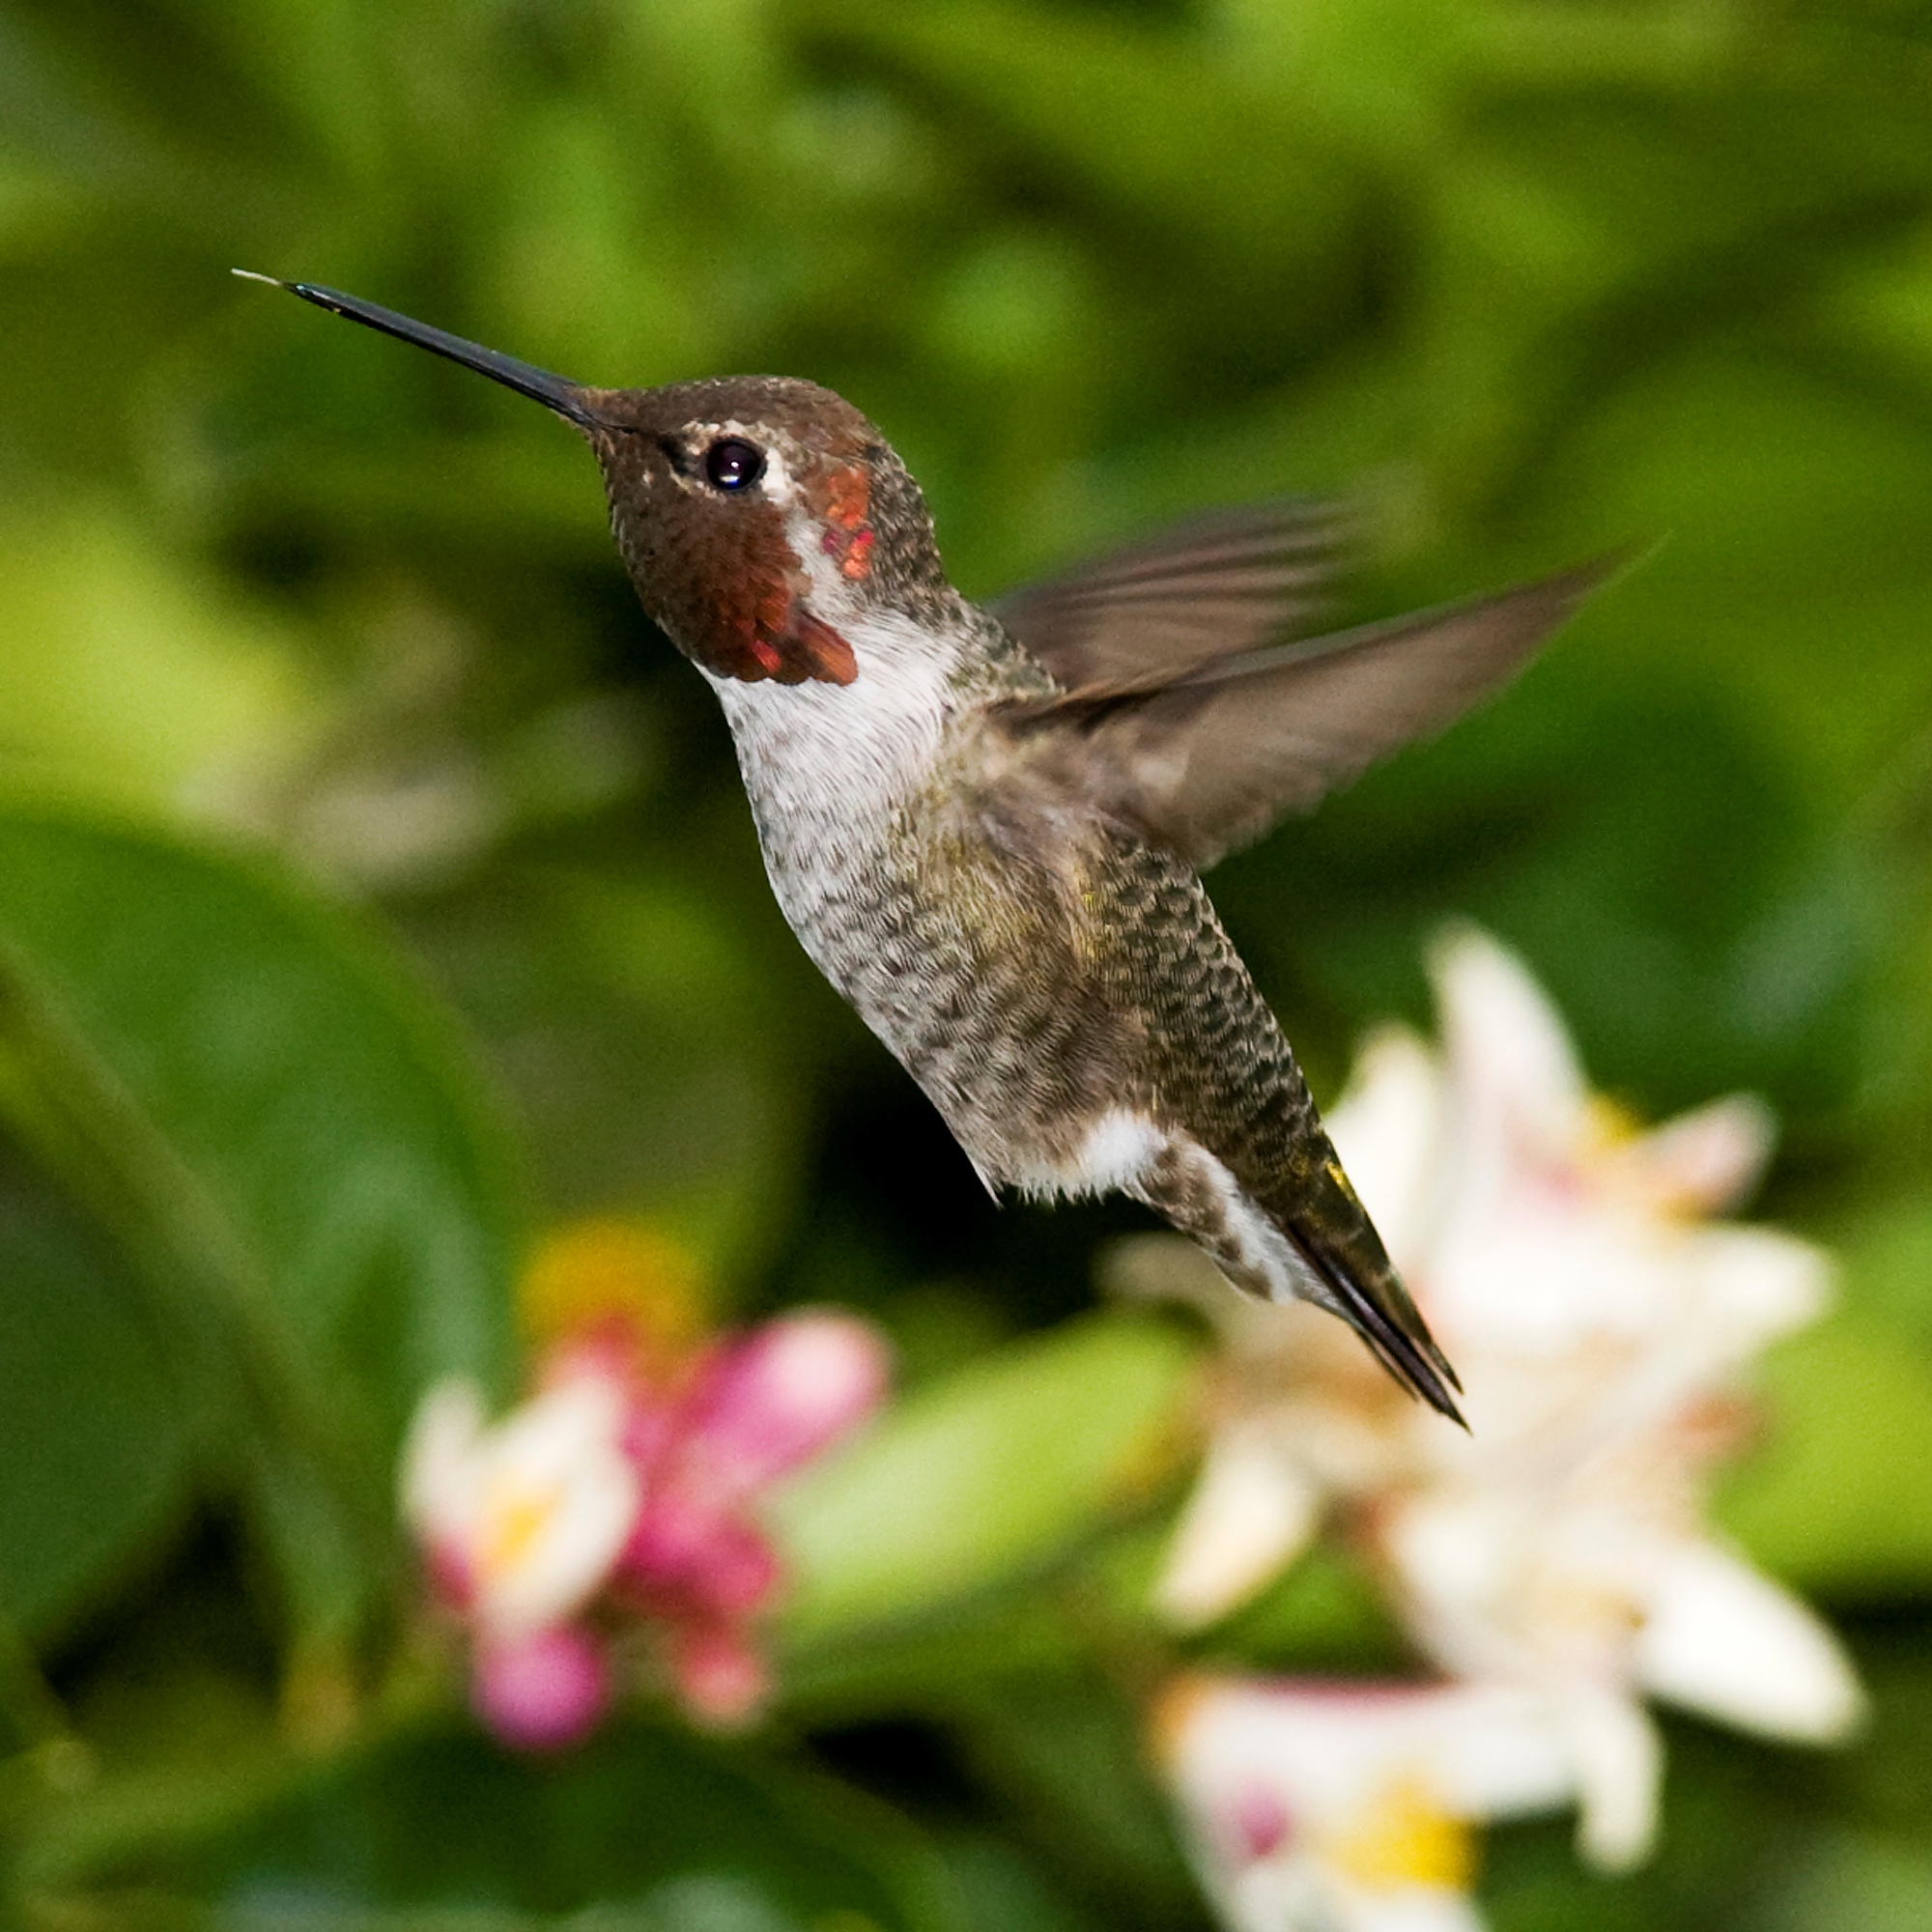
[731, 463]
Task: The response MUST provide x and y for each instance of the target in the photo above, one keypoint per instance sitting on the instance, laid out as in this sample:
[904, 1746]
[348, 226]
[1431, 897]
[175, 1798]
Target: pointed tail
[1365, 1291]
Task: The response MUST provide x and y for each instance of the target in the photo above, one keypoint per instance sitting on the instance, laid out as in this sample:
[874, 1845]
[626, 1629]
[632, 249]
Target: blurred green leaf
[632, 1025]
[1885, 1253]
[147, 670]
[983, 1474]
[250, 1094]
[675, 1833]
[1067, 1755]
[1838, 1497]
[1323, 1614]
[1003, 1890]
[93, 1438]
[1859, 1880]
[1153, 133]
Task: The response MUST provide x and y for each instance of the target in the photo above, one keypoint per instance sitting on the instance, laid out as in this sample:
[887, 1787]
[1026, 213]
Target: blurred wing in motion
[1212, 587]
[1208, 759]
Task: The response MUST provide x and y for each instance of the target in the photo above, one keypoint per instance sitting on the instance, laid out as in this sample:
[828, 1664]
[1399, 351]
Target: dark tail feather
[1376, 1314]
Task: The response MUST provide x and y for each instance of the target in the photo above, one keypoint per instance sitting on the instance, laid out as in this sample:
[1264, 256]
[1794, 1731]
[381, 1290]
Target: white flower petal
[1510, 1057]
[1526, 1282]
[1723, 1640]
[1296, 1896]
[1456, 1561]
[436, 1475]
[1701, 1161]
[1500, 1752]
[1299, 1894]
[559, 1501]
[1414, 1909]
[1274, 1895]
[566, 1562]
[1753, 1285]
[1326, 1807]
[1320, 1749]
[1618, 1759]
[531, 1514]
[1388, 1128]
[1252, 1513]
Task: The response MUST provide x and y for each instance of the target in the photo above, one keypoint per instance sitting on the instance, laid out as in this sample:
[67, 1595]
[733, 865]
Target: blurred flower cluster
[611, 1521]
[1553, 1563]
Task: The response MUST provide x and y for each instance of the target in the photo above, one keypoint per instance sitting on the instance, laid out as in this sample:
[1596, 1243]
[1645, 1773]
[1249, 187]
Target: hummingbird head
[756, 515]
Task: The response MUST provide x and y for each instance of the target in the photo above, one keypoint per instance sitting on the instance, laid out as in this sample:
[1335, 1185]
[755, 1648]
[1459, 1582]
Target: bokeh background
[1533, 280]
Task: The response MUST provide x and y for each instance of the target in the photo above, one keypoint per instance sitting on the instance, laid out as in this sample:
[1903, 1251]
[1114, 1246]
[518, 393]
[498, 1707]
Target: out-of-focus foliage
[285, 1152]
[1537, 281]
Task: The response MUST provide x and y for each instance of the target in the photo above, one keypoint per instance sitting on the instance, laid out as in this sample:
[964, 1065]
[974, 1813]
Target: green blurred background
[1535, 280]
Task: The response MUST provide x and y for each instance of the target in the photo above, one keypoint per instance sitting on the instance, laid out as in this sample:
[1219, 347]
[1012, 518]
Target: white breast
[827, 766]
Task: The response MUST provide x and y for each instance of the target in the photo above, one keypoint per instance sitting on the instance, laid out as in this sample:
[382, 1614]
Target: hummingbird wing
[1208, 760]
[1212, 587]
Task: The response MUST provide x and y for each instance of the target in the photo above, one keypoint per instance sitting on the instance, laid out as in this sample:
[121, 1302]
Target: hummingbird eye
[732, 464]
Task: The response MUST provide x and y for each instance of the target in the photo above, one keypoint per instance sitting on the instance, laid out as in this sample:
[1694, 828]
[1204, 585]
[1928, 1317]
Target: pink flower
[784, 1393]
[626, 1490]
[544, 1692]
[759, 1406]
[522, 1526]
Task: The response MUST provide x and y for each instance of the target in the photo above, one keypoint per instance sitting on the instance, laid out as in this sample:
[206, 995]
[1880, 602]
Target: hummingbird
[986, 825]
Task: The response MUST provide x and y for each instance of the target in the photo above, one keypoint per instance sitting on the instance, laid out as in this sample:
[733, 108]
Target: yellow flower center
[589, 1271]
[514, 1519]
[1403, 1837]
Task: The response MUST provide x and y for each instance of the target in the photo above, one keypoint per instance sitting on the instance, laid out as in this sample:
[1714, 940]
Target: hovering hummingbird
[986, 825]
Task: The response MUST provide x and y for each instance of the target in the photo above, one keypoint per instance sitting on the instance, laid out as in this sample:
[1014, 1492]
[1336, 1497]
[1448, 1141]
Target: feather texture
[1212, 587]
[1210, 758]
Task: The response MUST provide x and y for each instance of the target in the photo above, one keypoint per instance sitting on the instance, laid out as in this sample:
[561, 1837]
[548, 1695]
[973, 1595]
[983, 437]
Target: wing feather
[1208, 760]
[1213, 587]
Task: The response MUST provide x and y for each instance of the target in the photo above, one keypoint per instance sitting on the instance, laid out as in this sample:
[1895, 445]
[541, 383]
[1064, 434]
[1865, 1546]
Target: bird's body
[1062, 992]
[985, 828]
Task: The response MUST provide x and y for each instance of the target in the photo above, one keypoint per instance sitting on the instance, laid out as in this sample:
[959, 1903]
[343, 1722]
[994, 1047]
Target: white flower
[1598, 1321]
[523, 1520]
[1340, 1808]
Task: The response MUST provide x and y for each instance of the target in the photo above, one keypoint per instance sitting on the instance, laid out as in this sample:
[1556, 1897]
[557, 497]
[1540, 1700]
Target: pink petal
[450, 1574]
[686, 1552]
[721, 1679]
[784, 1392]
[541, 1692]
[1259, 1823]
[650, 1427]
[682, 1515]
[736, 1570]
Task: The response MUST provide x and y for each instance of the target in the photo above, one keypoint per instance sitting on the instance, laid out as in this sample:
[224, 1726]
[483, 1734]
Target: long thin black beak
[567, 399]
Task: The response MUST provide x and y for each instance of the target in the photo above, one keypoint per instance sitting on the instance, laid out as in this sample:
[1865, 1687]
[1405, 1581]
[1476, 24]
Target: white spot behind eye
[776, 479]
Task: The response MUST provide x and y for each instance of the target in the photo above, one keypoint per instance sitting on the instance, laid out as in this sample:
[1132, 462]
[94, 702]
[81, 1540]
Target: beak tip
[554, 392]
